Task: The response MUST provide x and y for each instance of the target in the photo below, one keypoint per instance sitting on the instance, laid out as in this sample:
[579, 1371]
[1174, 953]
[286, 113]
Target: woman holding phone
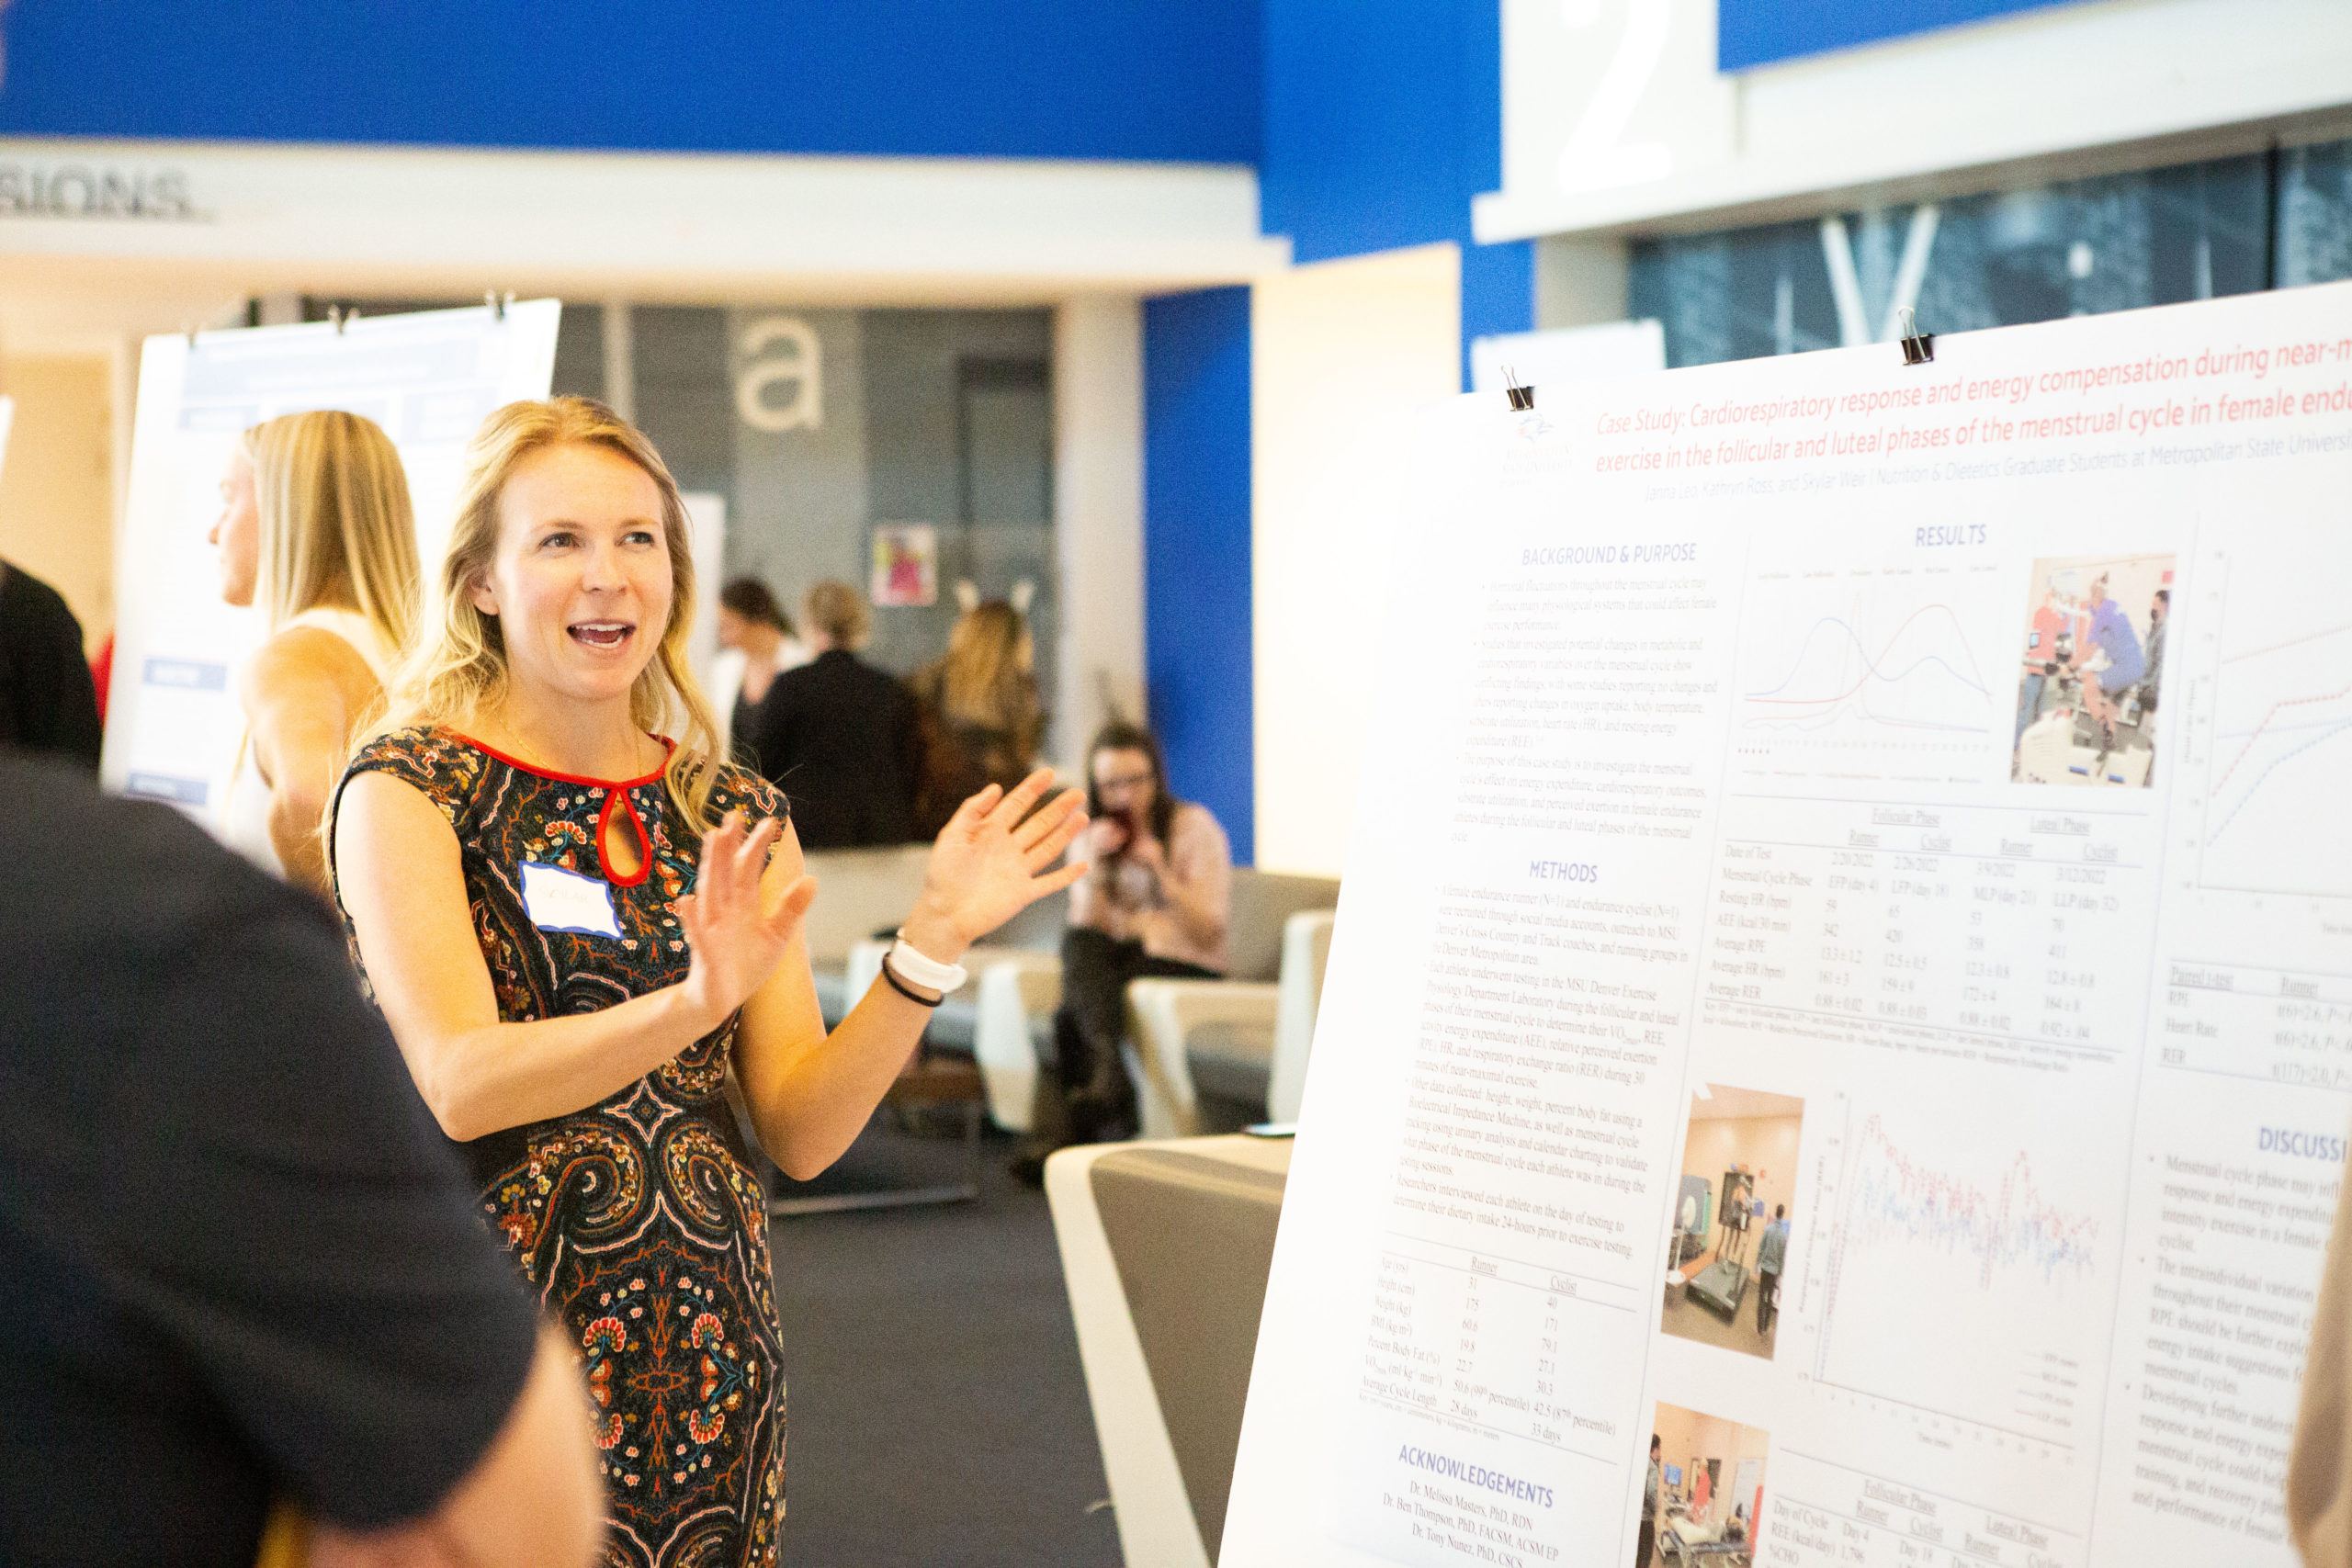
[575, 926]
[1154, 899]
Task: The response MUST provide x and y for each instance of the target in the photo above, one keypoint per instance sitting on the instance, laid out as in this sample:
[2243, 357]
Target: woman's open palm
[990, 863]
[735, 941]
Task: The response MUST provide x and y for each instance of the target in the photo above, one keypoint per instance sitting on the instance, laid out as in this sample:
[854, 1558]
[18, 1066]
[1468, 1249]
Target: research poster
[1844, 969]
[174, 725]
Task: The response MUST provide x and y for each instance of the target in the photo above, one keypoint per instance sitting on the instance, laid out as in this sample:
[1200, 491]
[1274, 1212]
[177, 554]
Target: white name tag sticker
[560, 900]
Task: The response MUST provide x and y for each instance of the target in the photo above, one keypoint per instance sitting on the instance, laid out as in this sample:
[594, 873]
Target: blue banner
[1763, 32]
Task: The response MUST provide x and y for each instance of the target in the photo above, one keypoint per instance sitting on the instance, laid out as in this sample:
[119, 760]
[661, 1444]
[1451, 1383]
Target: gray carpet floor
[937, 1407]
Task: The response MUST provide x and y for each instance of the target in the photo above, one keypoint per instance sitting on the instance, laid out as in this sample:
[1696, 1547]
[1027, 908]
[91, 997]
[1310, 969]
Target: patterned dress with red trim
[637, 1220]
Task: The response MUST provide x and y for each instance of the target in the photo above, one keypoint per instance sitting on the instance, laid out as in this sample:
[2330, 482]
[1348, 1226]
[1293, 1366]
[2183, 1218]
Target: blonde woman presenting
[574, 927]
[315, 532]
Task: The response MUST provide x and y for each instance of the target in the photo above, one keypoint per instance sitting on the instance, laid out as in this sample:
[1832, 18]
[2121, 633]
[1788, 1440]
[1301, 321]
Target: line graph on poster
[2276, 716]
[1955, 1279]
[1868, 674]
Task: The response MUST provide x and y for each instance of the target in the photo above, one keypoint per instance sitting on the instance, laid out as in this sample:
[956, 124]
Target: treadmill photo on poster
[1733, 1206]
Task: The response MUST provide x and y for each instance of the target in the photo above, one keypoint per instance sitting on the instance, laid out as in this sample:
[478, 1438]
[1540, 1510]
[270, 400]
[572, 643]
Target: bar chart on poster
[1838, 1046]
[174, 725]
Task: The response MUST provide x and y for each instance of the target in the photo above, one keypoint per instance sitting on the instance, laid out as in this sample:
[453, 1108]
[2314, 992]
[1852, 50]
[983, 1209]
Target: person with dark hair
[48, 701]
[981, 721]
[756, 644]
[748, 599]
[1772, 1257]
[838, 735]
[242, 1264]
[1646, 1544]
[1155, 900]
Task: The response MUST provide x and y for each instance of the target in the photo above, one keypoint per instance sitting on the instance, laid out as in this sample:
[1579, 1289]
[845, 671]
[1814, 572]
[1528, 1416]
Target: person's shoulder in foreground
[242, 1266]
[33, 603]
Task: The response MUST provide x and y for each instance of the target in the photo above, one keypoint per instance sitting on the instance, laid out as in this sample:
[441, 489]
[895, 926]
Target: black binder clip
[496, 303]
[1522, 398]
[341, 317]
[1918, 347]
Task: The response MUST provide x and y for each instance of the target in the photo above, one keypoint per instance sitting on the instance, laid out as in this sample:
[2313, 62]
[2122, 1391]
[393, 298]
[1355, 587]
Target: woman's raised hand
[990, 865]
[735, 939]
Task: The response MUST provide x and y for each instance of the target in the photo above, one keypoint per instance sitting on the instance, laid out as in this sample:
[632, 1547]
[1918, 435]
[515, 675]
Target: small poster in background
[906, 564]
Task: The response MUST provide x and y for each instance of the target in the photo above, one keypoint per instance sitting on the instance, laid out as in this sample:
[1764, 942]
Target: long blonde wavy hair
[335, 521]
[984, 680]
[454, 670]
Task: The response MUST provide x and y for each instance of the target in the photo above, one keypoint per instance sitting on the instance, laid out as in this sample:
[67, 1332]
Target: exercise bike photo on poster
[2093, 667]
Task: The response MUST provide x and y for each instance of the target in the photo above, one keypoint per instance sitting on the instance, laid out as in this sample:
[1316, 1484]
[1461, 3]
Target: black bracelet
[901, 987]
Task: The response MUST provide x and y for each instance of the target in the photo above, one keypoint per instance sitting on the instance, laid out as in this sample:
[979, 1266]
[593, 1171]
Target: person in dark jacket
[841, 737]
[48, 702]
[241, 1262]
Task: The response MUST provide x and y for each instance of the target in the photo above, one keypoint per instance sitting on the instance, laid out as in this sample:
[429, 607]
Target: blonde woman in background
[513, 848]
[981, 722]
[316, 532]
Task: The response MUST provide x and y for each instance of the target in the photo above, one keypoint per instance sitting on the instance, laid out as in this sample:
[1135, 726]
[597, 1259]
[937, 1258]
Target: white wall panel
[1098, 518]
[1342, 353]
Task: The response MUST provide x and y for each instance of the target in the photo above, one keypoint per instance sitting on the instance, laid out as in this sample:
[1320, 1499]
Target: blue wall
[1757, 32]
[1197, 642]
[1016, 78]
[1381, 123]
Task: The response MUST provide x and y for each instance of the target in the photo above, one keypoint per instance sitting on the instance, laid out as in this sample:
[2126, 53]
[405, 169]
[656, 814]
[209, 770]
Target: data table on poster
[2258, 1021]
[1851, 983]
[1833, 1512]
[1870, 918]
[1482, 1339]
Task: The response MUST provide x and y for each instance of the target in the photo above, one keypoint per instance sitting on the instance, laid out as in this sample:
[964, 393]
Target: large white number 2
[1594, 159]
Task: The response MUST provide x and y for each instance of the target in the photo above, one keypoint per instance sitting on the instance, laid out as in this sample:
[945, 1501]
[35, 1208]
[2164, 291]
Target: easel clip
[1918, 347]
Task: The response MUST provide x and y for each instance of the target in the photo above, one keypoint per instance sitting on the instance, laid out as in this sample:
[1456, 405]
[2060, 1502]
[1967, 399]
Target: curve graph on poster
[2282, 737]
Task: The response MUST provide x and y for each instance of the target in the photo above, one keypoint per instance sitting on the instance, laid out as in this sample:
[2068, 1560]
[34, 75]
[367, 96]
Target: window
[2079, 247]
